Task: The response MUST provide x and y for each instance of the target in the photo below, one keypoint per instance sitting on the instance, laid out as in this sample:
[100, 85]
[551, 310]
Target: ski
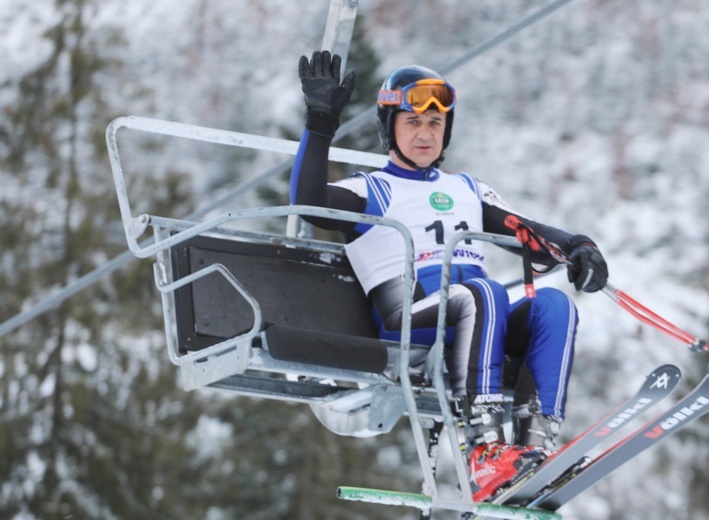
[657, 385]
[690, 408]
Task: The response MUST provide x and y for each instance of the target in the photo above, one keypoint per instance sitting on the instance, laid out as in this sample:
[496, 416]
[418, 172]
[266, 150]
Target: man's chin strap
[412, 164]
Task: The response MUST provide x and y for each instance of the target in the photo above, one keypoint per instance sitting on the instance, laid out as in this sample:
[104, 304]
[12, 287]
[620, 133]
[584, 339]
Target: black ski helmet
[398, 79]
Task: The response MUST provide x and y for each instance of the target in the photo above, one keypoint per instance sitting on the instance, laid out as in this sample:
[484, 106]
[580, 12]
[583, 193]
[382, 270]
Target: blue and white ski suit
[482, 322]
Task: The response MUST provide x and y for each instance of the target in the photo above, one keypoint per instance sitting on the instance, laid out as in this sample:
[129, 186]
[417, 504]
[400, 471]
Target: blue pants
[478, 316]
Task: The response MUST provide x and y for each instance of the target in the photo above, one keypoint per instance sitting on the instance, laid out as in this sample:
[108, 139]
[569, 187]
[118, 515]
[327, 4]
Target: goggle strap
[390, 97]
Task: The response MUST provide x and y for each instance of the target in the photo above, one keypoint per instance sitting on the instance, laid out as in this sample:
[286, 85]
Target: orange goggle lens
[420, 96]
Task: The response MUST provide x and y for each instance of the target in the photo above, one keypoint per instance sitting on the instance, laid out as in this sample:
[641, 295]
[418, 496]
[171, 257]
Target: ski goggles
[419, 96]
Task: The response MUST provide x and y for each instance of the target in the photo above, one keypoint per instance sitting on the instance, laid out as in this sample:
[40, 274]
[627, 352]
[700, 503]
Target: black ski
[688, 409]
[658, 385]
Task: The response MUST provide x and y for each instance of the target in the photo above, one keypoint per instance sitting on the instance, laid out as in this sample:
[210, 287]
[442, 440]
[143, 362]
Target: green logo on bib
[440, 201]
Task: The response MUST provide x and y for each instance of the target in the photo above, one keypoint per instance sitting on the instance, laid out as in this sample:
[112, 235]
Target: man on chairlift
[415, 109]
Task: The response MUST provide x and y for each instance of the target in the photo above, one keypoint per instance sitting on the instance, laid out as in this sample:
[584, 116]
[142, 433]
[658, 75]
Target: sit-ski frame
[220, 365]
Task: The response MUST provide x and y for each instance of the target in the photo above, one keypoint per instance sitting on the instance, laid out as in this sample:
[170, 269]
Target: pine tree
[81, 436]
[95, 425]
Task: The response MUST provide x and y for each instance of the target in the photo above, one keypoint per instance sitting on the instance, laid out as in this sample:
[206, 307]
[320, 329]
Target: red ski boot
[492, 461]
[493, 465]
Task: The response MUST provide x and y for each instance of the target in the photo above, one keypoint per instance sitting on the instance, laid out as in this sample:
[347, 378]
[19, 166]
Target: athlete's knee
[553, 305]
[461, 303]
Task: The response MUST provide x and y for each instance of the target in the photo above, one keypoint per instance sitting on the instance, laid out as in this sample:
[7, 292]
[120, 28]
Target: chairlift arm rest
[326, 349]
[335, 350]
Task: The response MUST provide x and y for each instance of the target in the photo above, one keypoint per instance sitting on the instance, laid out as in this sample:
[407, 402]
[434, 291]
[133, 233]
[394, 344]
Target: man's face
[419, 137]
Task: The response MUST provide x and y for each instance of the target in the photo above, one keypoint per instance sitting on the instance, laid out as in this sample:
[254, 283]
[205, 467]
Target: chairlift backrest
[296, 288]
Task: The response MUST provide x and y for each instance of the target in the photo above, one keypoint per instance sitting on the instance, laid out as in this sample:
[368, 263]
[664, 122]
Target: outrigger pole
[528, 237]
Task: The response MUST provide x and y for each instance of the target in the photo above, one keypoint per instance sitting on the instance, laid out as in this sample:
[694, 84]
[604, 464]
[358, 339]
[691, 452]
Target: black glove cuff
[321, 123]
[578, 240]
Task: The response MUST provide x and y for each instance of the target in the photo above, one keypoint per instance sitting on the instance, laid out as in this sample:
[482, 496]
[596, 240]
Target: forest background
[594, 119]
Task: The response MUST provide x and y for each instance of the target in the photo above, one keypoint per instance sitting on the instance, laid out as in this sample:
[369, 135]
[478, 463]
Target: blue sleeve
[309, 182]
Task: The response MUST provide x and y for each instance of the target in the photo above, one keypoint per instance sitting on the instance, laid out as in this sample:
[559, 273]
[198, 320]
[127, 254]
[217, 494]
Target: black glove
[324, 96]
[589, 272]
